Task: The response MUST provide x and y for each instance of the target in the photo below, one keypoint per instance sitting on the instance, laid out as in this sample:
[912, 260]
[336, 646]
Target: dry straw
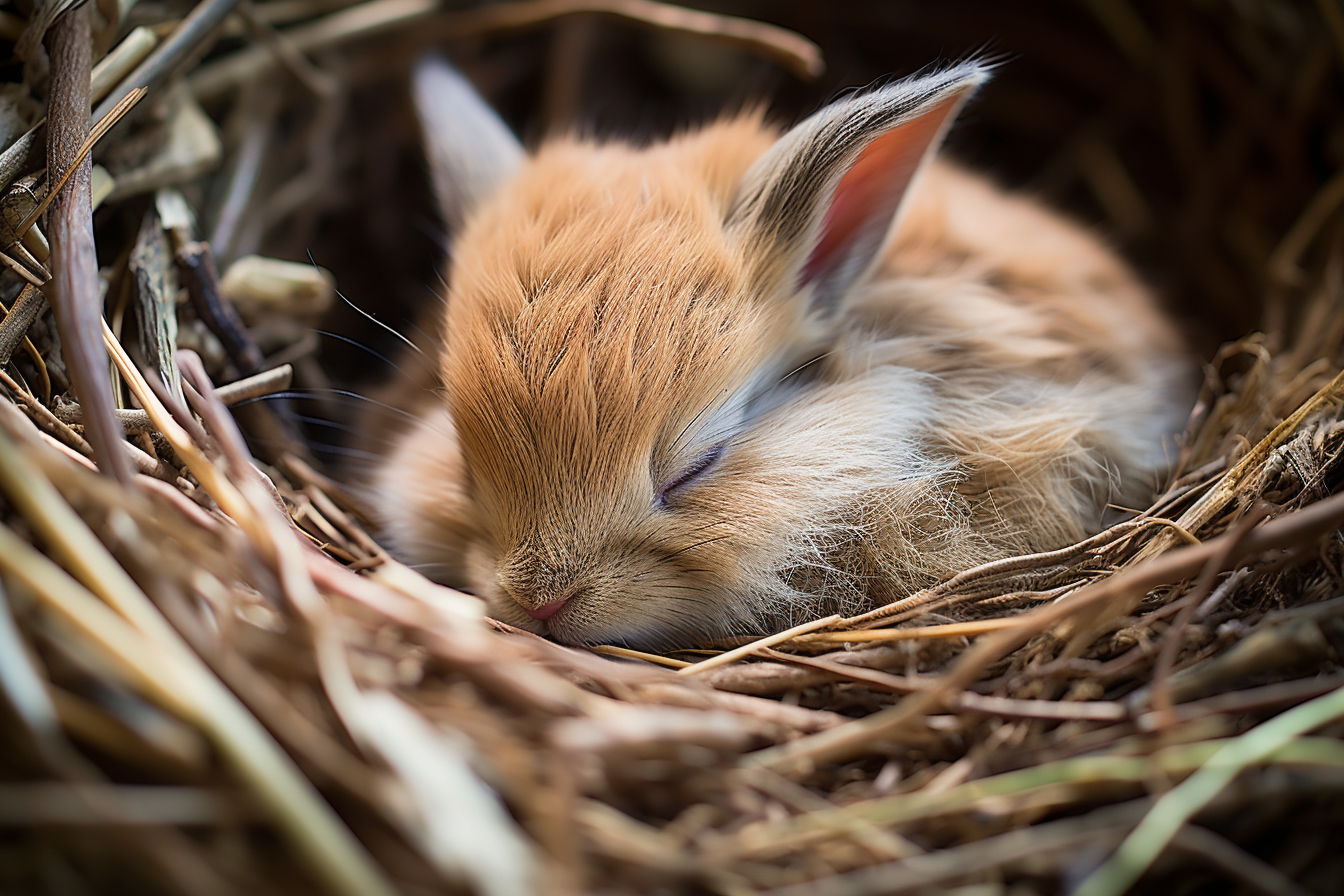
[213, 680]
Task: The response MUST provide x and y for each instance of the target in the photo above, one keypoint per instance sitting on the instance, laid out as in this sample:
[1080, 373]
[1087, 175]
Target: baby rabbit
[718, 385]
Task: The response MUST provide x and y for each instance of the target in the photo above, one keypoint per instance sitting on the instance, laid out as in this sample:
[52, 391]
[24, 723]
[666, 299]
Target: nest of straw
[212, 680]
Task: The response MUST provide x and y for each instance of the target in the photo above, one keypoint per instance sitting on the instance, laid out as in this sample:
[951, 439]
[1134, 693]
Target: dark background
[1192, 135]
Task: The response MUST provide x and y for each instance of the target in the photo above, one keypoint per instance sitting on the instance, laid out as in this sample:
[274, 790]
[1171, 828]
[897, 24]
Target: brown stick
[196, 264]
[788, 48]
[73, 290]
[170, 54]
[26, 309]
[277, 379]
[1163, 703]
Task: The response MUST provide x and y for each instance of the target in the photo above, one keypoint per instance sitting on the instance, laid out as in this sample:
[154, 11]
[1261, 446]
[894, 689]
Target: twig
[1225, 489]
[795, 52]
[112, 69]
[950, 630]
[14, 330]
[1059, 782]
[244, 170]
[876, 678]
[1270, 696]
[996, 568]
[211, 80]
[747, 650]
[1171, 640]
[197, 266]
[1054, 710]
[15, 327]
[23, 154]
[332, 850]
[100, 128]
[43, 413]
[922, 873]
[38, 279]
[319, 82]
[789, 48]
[159, 664]
[170, 54]
[277, 379]
[626, 653]
[1096, 711]
[73, 291]
[133, 421]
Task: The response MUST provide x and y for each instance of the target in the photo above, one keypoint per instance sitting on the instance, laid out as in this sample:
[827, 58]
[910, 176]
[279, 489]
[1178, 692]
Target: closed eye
[689, 475]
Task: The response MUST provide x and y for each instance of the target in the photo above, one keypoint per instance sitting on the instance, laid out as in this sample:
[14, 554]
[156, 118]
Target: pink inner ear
[870, 192]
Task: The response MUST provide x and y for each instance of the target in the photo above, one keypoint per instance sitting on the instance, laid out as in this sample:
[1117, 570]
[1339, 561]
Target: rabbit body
[673, 410]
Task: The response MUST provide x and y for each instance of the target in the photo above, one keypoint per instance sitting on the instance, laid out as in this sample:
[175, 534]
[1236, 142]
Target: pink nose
[546, 611]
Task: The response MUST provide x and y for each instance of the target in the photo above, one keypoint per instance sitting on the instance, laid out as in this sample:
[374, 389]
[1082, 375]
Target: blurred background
[1193, 135]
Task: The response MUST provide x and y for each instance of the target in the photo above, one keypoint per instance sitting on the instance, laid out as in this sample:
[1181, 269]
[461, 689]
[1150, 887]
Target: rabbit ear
[470, 150]
[819, 204]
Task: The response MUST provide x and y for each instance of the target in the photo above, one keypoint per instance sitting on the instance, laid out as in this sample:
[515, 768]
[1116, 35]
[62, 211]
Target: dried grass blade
[114, 67]
[228, 497]
[1142, 847]
[136, 656]
[746, 650]
[162, 662]
[102, 126]
[20, 682]
[459, 822]
[949, 630]
[456, 819]
[1060, 781]
[71, 541]
[626, 653]
[34, 278]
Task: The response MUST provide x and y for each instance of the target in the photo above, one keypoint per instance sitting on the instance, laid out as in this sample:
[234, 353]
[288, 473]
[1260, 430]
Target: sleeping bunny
[721, 384]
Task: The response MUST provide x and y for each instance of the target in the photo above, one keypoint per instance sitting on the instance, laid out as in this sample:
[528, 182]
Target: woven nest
[212, 680]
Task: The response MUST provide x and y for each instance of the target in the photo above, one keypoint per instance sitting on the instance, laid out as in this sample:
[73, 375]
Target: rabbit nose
[541, 590]
[540, 603]
[546, 611]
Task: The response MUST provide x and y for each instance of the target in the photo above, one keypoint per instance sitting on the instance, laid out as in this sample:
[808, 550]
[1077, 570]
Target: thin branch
[747, 650]
[789, 48]
[170, 54]
[277, 379]
[101, 127]
[73, 291]
[14, 329]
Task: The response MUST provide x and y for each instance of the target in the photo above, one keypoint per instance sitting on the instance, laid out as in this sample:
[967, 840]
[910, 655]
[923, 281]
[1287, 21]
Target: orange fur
[987, 388]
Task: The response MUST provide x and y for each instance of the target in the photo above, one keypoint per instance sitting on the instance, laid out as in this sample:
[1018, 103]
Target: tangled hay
[215, 681]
